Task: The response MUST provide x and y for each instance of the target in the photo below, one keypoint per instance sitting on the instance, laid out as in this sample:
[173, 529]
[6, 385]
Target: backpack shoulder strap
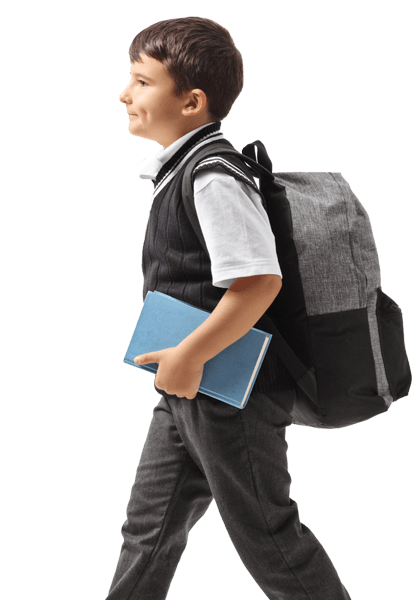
[187, 182]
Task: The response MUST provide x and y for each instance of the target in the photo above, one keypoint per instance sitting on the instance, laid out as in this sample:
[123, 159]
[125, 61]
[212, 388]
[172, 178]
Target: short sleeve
[235, 227]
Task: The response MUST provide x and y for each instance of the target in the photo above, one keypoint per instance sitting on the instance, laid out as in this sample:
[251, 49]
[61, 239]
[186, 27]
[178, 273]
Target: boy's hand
[177, 374]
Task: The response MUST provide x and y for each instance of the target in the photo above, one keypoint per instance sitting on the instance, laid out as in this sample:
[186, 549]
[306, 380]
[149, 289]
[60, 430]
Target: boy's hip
[222, 438]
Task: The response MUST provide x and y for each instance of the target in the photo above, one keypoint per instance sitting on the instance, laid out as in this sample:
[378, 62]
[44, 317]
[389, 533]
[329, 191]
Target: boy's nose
[123, 96]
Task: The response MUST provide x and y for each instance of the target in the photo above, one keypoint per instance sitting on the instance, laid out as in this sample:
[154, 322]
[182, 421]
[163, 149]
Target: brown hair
[198, 53]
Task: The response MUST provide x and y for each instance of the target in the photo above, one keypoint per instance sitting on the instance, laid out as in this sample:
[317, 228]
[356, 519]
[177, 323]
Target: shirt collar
[153, 167]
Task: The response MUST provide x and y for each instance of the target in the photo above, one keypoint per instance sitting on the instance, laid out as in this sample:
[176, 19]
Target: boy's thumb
[143, 359]
[139, 360]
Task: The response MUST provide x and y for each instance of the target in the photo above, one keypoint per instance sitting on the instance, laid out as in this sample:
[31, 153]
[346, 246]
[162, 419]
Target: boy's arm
[242, 305]
[245, 301]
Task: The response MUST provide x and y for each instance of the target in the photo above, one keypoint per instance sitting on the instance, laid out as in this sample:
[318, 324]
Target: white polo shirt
[233, 221]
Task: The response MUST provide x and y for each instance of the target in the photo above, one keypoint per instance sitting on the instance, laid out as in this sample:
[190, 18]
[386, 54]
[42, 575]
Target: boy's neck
[184, 127]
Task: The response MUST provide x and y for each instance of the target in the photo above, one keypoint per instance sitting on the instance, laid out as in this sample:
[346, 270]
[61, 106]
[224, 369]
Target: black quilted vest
[174, 261]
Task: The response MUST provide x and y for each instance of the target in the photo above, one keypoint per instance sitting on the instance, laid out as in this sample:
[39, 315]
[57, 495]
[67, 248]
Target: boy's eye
[141, 81]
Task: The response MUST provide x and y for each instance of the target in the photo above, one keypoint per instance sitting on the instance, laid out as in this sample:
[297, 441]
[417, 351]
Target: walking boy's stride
[185, 76]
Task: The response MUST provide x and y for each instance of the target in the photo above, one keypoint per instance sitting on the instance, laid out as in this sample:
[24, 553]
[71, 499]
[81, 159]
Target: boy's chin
[142, 134]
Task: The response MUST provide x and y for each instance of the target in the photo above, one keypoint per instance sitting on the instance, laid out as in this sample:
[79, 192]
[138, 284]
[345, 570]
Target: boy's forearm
[242, 305]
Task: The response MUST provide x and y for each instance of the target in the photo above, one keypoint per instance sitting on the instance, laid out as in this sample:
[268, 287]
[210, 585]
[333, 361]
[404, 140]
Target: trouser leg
[168, 497]
[243, 456]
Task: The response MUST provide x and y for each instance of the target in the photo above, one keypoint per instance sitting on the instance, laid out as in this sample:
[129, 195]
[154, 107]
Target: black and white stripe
[218, 160]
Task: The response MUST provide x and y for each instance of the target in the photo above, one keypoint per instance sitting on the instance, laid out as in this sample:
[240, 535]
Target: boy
[186, 73]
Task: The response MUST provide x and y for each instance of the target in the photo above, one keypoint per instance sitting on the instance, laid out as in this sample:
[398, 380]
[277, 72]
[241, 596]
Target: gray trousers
[201, 449]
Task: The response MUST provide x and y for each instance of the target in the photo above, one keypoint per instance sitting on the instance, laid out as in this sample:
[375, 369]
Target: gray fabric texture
[328, 239]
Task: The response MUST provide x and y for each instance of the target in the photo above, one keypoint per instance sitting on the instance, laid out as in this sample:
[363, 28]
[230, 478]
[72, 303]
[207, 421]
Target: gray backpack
[334, 329]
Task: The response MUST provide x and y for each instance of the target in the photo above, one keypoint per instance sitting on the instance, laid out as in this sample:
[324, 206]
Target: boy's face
[155, 112]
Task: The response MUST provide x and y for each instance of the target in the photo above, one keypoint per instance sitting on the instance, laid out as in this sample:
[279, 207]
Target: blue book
[229, 376]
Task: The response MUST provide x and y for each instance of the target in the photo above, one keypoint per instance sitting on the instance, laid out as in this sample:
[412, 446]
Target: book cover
[229, 376]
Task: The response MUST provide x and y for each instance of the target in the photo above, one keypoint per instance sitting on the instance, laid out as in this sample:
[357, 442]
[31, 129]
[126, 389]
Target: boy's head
[192, 74]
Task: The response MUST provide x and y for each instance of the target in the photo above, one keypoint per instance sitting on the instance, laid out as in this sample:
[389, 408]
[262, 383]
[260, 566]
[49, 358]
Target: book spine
[257, 364]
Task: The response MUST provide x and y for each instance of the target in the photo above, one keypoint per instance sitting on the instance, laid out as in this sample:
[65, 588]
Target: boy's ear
[196, 102]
